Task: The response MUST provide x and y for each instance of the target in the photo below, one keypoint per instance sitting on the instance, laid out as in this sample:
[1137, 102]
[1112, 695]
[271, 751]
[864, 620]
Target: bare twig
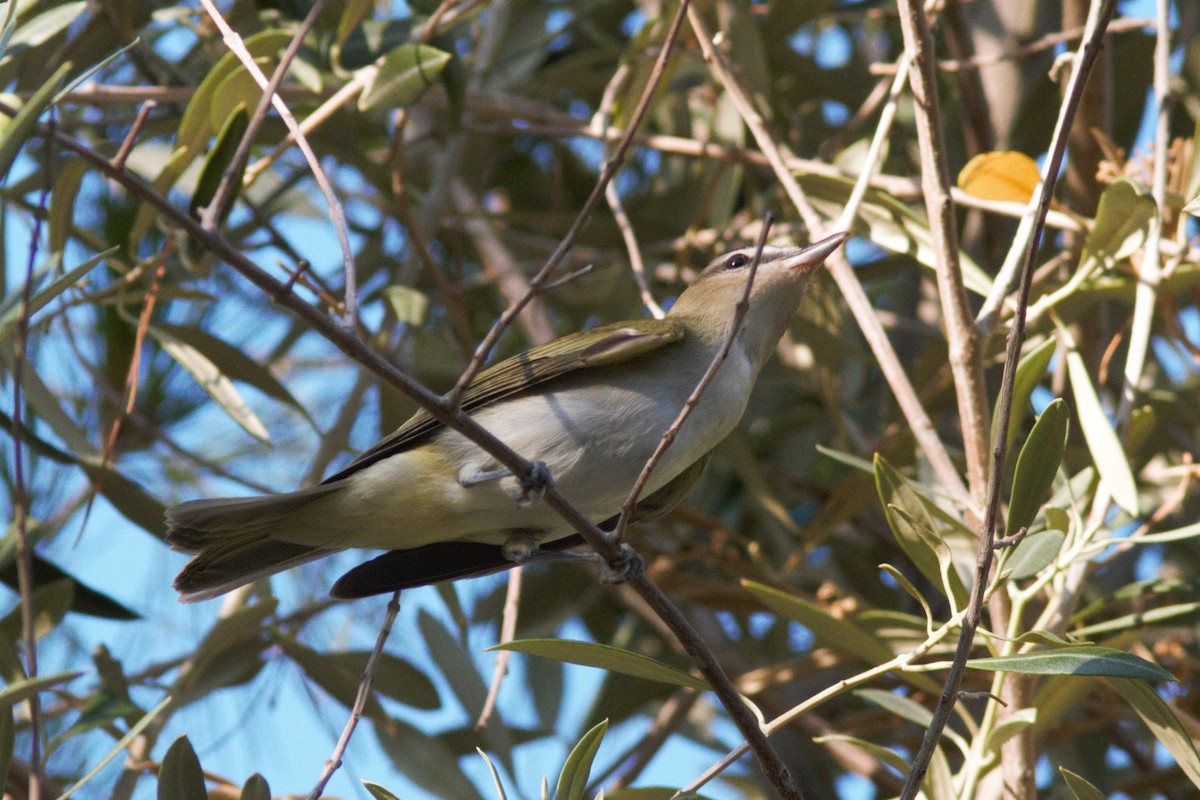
[136, 128]
[1150, 269]
[843, 273]
[1089, 51]
[508, 630]
[668, 437]
[609, 170]
[336, 213]
[966, 364]
[360, 699]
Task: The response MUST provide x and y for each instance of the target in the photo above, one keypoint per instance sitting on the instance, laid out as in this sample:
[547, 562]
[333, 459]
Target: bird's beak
[807, 259]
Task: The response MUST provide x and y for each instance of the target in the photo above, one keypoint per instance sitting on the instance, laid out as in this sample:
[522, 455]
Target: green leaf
[1010, 726]
[1102, 661]
[1034, 553]
[1080, 787]
[913, 527]
[179, 775]
[69, 177]
[1030, 369]
[406, 72]
[46, 25]
[603, 656]
[378, 792]
[839, 634]
[496, 782]
[1123, 221]
[12, 310]
[256, 788]
[210, 377]
[1140, 619]
[888, 223]
[20, 691]
[1107, 453]
[394, 677]
[884, 754]
[51, 602]
[14, 135]
[218, 159]
[1037, 465]
[331, 674]
[409, 305]
[234, 363]
[1057, 519]
[1163, 723]
[237, 635]
[573, 780]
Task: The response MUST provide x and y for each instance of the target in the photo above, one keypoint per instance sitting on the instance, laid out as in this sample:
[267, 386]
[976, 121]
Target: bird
[589, 408]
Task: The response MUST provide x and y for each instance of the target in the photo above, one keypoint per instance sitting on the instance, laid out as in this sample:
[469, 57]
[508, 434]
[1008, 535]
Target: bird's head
[783, 272]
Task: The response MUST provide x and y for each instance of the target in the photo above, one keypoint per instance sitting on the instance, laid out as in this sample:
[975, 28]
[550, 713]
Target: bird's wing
[599, 347]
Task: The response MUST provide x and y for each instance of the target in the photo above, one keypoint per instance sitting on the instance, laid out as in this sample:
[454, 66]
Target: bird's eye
[736, 261]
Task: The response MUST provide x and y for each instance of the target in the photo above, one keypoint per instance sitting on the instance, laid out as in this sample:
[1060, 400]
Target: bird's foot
[531, 488]
[536, 484]
[627, 565]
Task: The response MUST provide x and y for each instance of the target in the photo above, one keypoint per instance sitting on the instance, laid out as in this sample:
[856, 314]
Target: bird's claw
[628, 564]
[535, 485]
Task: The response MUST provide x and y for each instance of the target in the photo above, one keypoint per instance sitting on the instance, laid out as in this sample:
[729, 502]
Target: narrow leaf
[1010, 726]
[213, 381]
[1080, 786]
[840, 634]
[14, 135]
[1123, 220]
[603, 656]
[217, 161]
[1034, 553]
[1103, 661]
[255, 788]
[378, 792]
[20, 691]
[1163, 723]
[573, 780]
[1102, 442]
[1037, 465]
[406, 72]
[179, 775]
[1030, 370]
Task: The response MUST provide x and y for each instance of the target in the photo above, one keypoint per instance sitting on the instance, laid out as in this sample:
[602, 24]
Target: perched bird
[590, 406]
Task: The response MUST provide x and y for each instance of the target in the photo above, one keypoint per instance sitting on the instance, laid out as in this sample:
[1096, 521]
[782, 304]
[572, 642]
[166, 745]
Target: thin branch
[336, 212]
[843, 273]
[508, 630]
[966, 363]
[455, 419]
[1084, 61]
[360, 699]
[611, 166]
[1150, 269]
[212, 215]
[668, 437]
[134, 130]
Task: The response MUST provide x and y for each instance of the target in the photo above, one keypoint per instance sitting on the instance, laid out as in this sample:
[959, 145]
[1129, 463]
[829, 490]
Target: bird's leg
[533, 486]
[522, 548]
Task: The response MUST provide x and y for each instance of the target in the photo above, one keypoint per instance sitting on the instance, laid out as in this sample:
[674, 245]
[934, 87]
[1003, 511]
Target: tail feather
[233, 540]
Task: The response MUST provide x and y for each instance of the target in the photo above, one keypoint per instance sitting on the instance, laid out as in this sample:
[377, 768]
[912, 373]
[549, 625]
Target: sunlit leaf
[1009, 176]
[1075, 661]
[1123, 221]
[1034, 553]
[1107, 453]
[1015, 723]
[1163, 723]
[403, 76]
[14, 135]
[378, 792]
[213, 381]
[1037, 465]
[573, 780]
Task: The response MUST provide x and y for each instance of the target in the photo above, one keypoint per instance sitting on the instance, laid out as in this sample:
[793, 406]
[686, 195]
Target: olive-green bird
[590, 406]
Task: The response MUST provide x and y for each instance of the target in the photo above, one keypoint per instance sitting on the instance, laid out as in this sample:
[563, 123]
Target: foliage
[462, 139]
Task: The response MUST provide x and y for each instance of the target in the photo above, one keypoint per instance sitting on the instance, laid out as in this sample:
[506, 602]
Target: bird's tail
[239, 540]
